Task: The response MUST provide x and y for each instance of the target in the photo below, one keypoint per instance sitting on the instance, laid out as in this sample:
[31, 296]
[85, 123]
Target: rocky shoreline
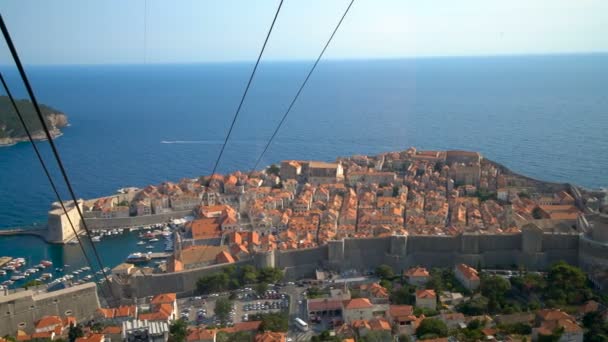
[56, 121]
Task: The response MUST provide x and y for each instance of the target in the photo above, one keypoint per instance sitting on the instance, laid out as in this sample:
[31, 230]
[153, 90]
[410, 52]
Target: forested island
[11, 130]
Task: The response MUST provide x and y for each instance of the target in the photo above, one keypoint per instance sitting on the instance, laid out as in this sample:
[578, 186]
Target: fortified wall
[532, 248]
[21, 310]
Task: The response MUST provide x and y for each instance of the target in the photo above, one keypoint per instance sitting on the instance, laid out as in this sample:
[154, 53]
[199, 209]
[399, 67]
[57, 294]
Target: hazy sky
[112, 31]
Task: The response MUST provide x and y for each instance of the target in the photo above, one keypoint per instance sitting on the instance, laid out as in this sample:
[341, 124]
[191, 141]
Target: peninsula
[11, 130]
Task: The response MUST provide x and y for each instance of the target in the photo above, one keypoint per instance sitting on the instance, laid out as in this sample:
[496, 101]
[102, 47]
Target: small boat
[154, 240]
[86, 268]
[46, 276]
[46, 263]
[8, 282]
[141, 243]
[89, 277]
[17, 277]
[2, 272]
[77, 272]
[9, 268]
[149, 247]
[138, 257]
[96, 238]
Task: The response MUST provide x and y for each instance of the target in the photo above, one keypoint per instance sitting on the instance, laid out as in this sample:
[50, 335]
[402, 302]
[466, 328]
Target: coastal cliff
[11, 130]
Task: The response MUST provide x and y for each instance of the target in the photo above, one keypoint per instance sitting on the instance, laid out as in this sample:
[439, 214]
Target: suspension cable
[46, 172]
[301, 88]
[30, 91]
[238, 110]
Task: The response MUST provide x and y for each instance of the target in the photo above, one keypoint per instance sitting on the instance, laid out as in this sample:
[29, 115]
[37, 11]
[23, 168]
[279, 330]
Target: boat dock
[4, 260]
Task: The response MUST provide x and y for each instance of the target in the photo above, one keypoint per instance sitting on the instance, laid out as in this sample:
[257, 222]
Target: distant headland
[11, 130]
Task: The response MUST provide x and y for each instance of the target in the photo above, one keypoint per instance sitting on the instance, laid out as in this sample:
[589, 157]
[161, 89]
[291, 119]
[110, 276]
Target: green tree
[325, 337]
[567, 284]
[213, 283]
[403, 295]
[403, 338]
[494, 288]
[178, 330]
[241, 336]
[261, 288]
[431, 328]
[314, 292]
[377, 336]
[223, 306]
[475, 306]
[75, 332]
[249, 275]
[385, 272]
[270, 275]
[274, 321]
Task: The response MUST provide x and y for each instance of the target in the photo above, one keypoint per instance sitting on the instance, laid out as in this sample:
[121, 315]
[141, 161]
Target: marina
[146, 245]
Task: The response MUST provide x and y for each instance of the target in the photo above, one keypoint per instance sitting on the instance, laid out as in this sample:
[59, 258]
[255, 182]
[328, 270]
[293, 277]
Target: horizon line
[297, 60]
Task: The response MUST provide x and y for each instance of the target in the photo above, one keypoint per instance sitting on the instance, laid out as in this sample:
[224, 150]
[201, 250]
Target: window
[68, 312]
[21, 325]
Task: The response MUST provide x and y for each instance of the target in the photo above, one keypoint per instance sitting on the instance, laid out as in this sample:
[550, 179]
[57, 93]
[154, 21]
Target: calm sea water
[543, 116]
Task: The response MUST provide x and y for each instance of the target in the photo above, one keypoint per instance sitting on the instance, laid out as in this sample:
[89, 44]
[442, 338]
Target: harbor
[60, 266]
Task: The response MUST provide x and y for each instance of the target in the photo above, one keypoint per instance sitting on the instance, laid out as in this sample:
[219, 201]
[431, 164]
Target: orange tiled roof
[357, 303]
[379, 324]
[425, 293]
[417, 272]
[112, 330]
[48, 321]
[91, 338]
[468, 271]
[270, 336]
[224, 257]
[164, 298]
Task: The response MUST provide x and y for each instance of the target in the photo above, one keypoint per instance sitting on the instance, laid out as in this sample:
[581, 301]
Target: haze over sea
[134, 125]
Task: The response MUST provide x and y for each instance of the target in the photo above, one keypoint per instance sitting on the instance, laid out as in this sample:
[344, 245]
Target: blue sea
[133, 125]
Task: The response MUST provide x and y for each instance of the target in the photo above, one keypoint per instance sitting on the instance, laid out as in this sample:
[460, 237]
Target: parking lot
[200, 310]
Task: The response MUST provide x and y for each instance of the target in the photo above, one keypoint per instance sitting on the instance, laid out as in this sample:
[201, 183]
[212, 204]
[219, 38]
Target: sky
[190, 31]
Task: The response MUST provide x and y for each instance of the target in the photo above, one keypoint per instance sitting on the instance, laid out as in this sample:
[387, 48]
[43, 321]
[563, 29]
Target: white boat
[17, 277]
[96, 238]
[86, 268]
[141, 243]
[154, 240]
[2, 272]
[149, 247]
[8, 282]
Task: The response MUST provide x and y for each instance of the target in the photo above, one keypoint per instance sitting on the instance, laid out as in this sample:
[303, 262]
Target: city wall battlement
[532, 248]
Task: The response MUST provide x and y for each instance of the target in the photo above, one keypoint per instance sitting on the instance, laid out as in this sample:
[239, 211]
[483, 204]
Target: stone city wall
[401, 252]
[21, 310]
[124, 222]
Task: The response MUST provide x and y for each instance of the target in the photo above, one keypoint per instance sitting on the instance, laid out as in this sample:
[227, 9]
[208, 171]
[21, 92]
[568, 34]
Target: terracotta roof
[125, 311]
[91, 338]
[400, 310]
[224, 257]
[269, 336]
[357, 303]
[198, 334]
[417, 272]
[425, 294]
[468, 271]
[324, 304]
[49, 321]
[164, 298]
[112, 330]
[380, 324]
